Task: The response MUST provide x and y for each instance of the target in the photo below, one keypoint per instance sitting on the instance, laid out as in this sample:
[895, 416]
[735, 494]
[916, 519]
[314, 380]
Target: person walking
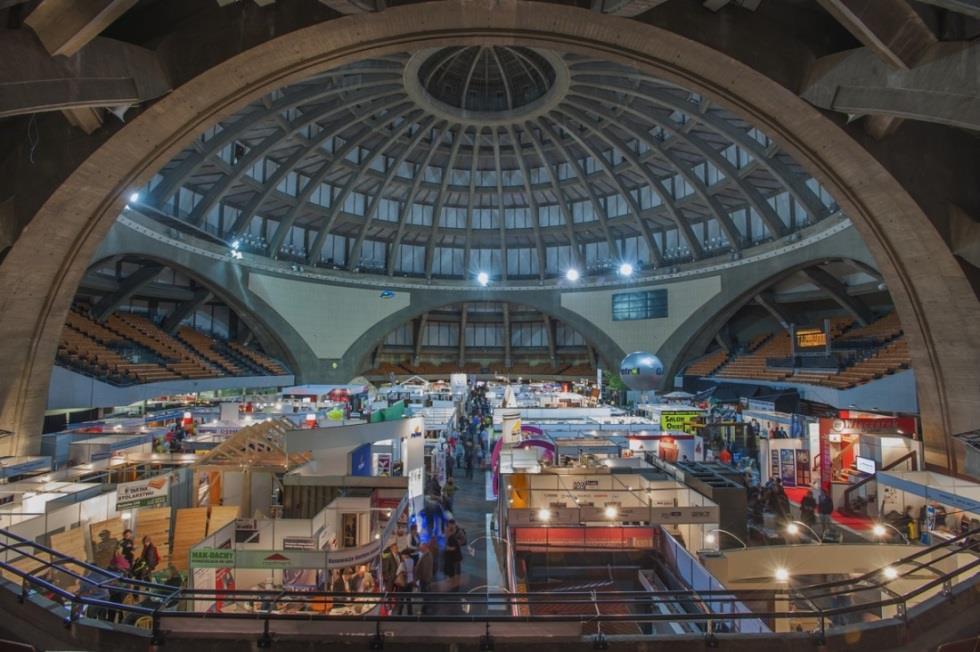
[127, 545]
[469, 465]
[423, 573]
[447, 494]
[453, 557]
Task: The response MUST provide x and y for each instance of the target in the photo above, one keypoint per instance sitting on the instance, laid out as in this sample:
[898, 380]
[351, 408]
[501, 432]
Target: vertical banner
[360, 460]
[773, 464]
[826, 463]
[511, 427]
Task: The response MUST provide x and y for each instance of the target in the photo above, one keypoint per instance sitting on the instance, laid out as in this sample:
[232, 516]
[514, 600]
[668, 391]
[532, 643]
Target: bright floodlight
[709, 539]
[782, 574]
[483, 278]
[793, 528]
[572, 274]
[544, 514]
[878, 530]
[626, 269]
[611, 511]
[236, 244]
[133, 198]
[889, 572]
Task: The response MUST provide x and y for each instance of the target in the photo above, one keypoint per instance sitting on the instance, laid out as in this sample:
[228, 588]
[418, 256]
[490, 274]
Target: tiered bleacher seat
[274, 367]
[881, 330]
[205, 345]
[888, 359]
[145, 333]
[708, 364]
[753, 365]
[85, 345]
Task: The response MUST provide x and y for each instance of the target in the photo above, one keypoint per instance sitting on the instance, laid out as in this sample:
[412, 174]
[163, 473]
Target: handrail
[846, 507]
[162, 601]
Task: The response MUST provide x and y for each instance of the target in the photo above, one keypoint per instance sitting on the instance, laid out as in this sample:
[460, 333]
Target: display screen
[811, 338]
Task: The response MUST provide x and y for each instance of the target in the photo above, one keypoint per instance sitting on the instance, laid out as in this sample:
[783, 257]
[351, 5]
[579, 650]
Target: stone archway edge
[40, 274]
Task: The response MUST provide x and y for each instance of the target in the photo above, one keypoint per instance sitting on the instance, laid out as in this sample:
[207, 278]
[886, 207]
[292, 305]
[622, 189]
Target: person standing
[808, 509]
[404, 581]
[453, 557]
[150, 557]
[127, 545]
[469, 465]
[423, 573]
[826, 508]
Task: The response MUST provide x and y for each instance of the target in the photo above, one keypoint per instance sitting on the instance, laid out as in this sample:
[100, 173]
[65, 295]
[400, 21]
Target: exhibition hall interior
[490, 324]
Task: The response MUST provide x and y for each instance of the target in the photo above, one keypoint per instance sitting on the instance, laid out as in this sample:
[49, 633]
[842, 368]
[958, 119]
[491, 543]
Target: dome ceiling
[519, 162]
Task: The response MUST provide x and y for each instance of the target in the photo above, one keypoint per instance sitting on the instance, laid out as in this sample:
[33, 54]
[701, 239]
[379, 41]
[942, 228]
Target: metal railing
[85, 590]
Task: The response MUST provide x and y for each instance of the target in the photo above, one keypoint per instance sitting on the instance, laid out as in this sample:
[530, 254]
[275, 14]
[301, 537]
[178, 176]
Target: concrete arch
[697, 332]
[939, 309]
[228, 283]
[606, 349]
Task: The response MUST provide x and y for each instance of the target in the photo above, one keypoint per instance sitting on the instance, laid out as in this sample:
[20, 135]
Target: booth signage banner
[887, 425]
[154, 492]
[678, 515]
[298, 543]
[679, 421]
[279, 559]
[212, 558]
[353, 556]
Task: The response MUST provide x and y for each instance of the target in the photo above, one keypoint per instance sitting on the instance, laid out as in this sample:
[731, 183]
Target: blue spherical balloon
[641, 371]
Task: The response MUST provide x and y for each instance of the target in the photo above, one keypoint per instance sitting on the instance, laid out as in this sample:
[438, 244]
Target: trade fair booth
[944, 506]
[294, 555]
[600, 504]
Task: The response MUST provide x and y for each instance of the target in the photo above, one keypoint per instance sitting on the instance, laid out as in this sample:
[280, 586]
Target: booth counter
[944, 506]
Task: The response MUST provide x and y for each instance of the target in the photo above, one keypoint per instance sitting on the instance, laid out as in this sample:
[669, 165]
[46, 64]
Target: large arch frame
[606, 349]
[266, 325]
[938, 310]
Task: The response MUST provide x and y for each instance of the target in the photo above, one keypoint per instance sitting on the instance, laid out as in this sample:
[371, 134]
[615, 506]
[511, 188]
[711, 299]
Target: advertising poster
[802, 468]
[683, 421]
[787, 467]
[154, 492]
[360, 460]
[774, 463]
[383, 466]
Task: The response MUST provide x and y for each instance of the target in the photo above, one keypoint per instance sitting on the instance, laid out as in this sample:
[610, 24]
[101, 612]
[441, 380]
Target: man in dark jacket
[423, 573]
[826, 508]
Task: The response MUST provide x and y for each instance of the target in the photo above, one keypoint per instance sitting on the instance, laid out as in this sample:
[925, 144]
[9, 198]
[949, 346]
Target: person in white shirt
[405, 580]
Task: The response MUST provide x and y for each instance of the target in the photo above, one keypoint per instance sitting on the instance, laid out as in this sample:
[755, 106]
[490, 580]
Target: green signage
[212, 558]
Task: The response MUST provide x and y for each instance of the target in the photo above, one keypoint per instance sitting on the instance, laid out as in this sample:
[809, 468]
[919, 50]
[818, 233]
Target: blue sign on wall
[360, 460]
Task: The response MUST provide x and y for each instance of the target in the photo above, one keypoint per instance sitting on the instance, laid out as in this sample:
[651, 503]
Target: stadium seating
[867, 352]
[126, 349]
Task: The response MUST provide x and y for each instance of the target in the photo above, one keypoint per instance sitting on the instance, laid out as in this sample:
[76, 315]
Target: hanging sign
[212, 558]
[154, 492]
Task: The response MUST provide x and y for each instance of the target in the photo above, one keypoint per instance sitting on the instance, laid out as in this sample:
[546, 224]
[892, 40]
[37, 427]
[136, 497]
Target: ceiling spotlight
[889, 572]
[483, 279]
[611, 511]
[236, 244]
[544, 514]
[781, 575]
[626, 269]
[572, 275]
[134, 197]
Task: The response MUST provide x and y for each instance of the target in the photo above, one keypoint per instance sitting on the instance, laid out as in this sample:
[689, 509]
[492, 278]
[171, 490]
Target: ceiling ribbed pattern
[580, 163]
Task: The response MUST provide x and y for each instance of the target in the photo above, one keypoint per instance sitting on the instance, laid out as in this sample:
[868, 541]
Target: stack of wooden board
[221, 516]
[190, 527]
[154, 522]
